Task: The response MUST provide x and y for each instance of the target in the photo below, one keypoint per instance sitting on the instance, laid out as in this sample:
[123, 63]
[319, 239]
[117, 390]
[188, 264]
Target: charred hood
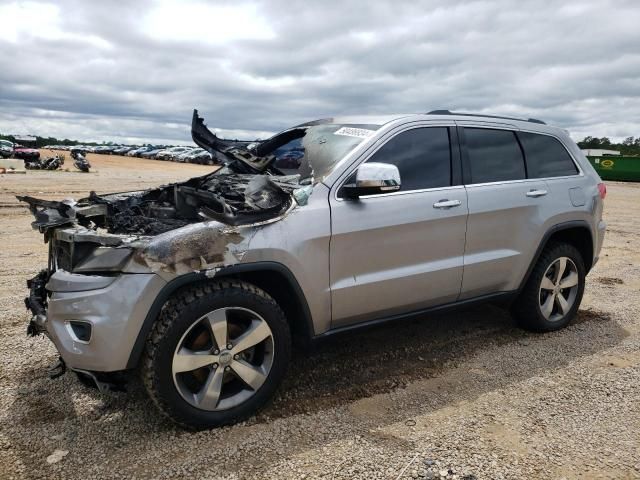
[233, 199]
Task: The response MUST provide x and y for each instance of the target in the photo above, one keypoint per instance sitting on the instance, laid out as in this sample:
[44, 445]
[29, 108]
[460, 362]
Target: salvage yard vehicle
[104, 150]
[25, 153]
[171, 153]
[192, 155]
[79, 160]
[150, 153]
[6, 148]
[137, 151]
[123, 150]
[180, 157]
[203, 158]
[202, 285]
[49, 163]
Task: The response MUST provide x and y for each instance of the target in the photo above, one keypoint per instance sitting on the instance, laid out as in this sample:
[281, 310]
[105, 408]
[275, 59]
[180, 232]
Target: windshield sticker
[354, 132]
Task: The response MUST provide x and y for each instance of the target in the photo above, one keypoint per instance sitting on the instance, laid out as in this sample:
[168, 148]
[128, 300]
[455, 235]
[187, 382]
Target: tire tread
[171, 312]
[526, 307]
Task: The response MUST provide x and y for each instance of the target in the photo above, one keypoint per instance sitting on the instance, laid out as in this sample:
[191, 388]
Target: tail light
[602, 188]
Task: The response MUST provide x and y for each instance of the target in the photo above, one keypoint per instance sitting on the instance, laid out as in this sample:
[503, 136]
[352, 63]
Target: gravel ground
[464, 395]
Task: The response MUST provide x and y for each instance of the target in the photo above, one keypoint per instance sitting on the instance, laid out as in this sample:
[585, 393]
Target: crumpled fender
[195, 247]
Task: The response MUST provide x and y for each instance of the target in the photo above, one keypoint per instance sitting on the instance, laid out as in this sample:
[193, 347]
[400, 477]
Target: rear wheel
[216, 354]
[553, 292]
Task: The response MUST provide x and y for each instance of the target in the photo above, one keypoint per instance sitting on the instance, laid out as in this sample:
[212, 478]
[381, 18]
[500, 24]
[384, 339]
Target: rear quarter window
[546, 156]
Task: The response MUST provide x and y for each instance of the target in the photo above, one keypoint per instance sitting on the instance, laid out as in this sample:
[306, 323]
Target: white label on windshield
[354, 132]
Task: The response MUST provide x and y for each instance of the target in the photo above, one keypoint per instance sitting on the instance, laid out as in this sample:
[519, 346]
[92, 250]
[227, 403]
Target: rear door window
[422, 155]
[546, 156]
[494, 155]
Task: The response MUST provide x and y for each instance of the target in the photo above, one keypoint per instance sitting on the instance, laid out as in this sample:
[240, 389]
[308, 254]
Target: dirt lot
[464, 395]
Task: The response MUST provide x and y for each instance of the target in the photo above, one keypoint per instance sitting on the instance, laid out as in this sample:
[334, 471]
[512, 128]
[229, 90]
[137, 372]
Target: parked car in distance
[150, 153]
[6, 148]
[25, 153]
[197, 155]
[378, 223]
[170, 153]
[139, 151]
[104, 149]
[182, 157]
[133, 152]
[162, 154]
[203, 158]
[123, 150]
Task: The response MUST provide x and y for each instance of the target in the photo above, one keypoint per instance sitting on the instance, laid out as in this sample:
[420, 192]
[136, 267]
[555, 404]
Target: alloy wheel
[558, 289]
[223, 358]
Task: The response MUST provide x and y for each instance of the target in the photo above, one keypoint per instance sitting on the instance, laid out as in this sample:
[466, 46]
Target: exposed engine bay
[232, 199]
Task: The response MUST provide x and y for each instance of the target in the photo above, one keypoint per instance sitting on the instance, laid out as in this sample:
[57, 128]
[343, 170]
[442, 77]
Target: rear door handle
[536, 193]
[447, 203]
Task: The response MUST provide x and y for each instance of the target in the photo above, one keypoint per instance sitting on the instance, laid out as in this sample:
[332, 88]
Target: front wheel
[216, 354]
[553, 292]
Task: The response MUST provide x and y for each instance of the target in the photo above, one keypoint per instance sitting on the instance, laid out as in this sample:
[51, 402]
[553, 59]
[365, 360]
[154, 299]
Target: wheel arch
[285, 290]
[576, 233]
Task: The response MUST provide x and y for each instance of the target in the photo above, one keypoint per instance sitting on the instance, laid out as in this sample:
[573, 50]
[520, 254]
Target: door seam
[464, 251]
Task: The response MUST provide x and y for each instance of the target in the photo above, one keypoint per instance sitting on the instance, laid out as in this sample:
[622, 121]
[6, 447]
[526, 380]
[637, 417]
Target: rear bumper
[600, 232]
[114, 306]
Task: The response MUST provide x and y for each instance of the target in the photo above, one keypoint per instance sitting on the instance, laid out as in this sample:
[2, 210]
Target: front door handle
[536, 193]
[447, 203]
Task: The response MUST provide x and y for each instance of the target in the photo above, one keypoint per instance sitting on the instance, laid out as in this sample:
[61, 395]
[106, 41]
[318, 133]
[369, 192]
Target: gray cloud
[132, 71]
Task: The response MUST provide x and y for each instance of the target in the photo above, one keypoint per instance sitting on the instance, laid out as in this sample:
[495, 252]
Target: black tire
[527, 309]
[177, 316]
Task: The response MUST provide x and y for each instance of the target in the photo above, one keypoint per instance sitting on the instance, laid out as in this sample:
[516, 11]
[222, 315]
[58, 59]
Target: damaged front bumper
[93, 320]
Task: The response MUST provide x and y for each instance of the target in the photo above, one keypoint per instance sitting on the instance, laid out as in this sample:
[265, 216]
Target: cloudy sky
[133, 71]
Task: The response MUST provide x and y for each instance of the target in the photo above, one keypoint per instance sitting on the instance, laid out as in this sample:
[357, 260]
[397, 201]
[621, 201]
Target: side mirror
[372, 178]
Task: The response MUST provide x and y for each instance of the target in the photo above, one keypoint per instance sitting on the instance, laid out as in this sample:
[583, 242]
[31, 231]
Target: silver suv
[6, 148]
[328, 226]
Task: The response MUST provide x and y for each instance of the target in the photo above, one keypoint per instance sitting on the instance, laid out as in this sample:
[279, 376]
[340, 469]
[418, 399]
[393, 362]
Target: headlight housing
[103, 259]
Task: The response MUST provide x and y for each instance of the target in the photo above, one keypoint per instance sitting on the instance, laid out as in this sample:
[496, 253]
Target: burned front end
[111, 255]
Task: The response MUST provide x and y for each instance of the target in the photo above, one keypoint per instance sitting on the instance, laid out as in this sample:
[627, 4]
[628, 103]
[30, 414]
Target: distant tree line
[42, 141]
[629, 146]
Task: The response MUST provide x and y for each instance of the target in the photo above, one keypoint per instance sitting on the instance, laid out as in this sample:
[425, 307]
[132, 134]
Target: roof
[433, 115]
[358, 119]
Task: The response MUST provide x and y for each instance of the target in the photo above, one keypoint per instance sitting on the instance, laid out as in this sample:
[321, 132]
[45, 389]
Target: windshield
[310, 150]
[315, 149]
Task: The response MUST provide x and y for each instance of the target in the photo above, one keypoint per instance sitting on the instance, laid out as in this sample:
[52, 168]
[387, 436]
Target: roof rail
[448, 112]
